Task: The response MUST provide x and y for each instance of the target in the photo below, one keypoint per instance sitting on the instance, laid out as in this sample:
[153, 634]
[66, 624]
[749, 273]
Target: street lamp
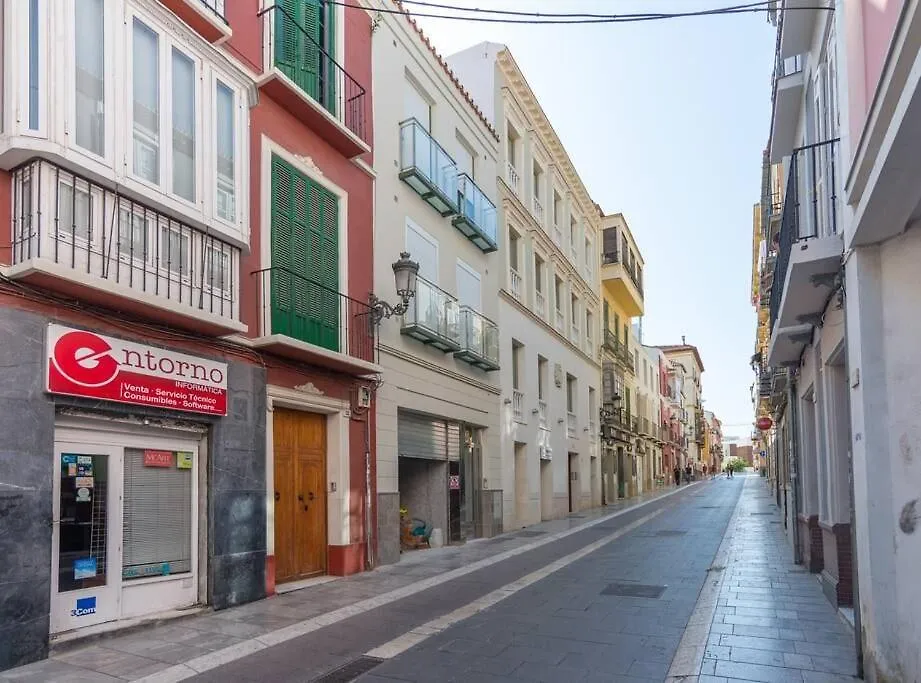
[404, 274]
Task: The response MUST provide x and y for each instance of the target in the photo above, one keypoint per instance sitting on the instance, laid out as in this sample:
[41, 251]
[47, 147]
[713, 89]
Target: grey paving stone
[758, 672]
[765, 657]
[757, 643]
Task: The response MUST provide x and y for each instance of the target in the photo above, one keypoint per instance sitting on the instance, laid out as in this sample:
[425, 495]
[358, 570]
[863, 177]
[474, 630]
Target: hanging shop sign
[764, 423]
[91, 365]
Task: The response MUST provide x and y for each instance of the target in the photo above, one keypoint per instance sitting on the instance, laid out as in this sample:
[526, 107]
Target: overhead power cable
[537, 18]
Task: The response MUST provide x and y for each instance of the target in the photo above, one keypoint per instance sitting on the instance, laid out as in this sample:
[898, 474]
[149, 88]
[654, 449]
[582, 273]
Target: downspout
[855, 584]
[369, 531]
[794, 467]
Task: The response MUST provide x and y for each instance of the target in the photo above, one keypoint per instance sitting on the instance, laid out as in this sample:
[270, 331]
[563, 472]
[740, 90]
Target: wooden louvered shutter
[305, 258]
[298, 37]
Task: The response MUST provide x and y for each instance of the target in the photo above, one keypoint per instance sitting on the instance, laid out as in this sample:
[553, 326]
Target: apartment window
[539, 268]
[134, 243]
[542, 378]
[557, 209]
[589, 255]
[512, 142]
[570, 393]
[468, 286]
[513, 246]
[424, 249]
[589, 326]
[574, 311]
[573, 233]
[175, 251]
[225, 204]
[465, 158]
[418, 107]
[146, 71]
[74, 211]
[626, 336]
[89, 40]
[517, 357]
[537, 179]
[617, 326]
[183, 125]
[592, 407]
[34, 51]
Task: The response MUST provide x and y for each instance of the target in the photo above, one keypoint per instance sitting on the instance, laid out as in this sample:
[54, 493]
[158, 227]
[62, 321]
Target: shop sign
[454, 481]
[183, 460]
[91, 365]
[84, 607]
[158, 458]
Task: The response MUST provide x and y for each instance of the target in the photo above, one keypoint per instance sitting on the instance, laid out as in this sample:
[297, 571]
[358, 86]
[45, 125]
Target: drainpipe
[855, 586]
[794, 467]
[369, 531]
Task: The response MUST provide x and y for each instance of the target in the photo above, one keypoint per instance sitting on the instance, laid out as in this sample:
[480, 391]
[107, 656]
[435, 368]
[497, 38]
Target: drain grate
[530, 534]
[634, 590]
[350, 671]
[670, 532]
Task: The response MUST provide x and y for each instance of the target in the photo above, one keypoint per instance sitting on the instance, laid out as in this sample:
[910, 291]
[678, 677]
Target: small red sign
[158, 458]
[454, 482]
[764, 423]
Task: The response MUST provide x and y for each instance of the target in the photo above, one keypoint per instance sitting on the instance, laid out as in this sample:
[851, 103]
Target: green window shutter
[298, 37]
[305, 258]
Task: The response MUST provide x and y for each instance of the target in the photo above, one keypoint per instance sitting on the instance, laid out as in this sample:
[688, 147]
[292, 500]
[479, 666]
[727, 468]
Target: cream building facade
[549, 305]
[688, 358]
[439, 441]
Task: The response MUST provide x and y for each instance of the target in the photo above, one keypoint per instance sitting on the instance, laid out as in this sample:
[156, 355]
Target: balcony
[511, 175]
[538, 210]
[205, 17]
[560, 321]
[540, 304]
[514, 283]
[309, 322]
[571, 425]
[518, 405]
[432, 317]
[476, 217]
[479, 340]
[427, 168]
[796, 26]
[623, 283]
[809, 254]
[307, 81]
[542, 414]
[787, 97]
[80, 239]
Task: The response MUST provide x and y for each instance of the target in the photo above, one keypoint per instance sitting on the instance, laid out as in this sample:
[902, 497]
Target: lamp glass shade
[404, 274]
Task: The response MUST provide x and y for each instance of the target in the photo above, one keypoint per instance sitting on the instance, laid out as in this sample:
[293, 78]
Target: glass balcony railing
[479, 340]
[432, 317]
[477, 215]
[427, 168]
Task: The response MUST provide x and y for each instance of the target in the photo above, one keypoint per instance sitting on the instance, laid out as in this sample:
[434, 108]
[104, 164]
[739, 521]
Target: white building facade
[549, 307]
[438, 428]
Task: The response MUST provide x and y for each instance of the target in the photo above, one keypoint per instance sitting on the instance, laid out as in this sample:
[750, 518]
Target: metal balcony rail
[75, 223]
[810, 208]
[518, 405]
[540, 304]
[298, 307]
[432, 317]
[514, 280]
[570, 425]
[542, 414]
[216, 7]
[479, 339]
[428, 168]
[514, 180]
[298, 55]
[538, 210]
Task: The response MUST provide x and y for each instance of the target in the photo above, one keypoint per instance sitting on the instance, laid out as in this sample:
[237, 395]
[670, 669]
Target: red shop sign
[158, 458]
[764, 423]
[91, 365]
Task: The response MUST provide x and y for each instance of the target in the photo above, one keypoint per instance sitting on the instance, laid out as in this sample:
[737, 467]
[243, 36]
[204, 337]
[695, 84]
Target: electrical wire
[567, 15]
[538, 19]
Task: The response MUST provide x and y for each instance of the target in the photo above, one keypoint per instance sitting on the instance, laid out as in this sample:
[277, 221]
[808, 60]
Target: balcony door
[305, 258]
[304, 31]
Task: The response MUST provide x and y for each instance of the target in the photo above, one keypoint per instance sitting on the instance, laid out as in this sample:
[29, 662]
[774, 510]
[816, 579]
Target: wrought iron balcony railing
[297, 307]
[298, 55]
[810, 208]
[427, 168]
[216, 7]
[432, 317]
[86, 232]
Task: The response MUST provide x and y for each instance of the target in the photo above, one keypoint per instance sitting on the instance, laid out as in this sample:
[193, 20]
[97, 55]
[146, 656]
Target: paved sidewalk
[771, 621]
[155, 651]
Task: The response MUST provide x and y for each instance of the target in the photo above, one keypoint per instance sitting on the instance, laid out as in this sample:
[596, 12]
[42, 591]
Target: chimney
[683, 343]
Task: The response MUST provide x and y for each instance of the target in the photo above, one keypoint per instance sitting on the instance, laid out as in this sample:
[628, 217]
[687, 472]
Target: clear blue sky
[664, 121]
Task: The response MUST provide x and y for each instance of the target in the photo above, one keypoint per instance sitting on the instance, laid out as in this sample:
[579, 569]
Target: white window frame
[426, 236]
[18, 22]
[461, 264]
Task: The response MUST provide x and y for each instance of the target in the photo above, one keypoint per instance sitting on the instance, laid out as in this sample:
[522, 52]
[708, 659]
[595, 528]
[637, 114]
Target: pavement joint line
[688, 660]
[212, 660]
[417, 635]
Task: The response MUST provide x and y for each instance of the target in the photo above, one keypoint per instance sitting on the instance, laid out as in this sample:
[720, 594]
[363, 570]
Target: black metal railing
[301, 57]
[810, 207]
[216, 7]
[68, 220]
[298, 307]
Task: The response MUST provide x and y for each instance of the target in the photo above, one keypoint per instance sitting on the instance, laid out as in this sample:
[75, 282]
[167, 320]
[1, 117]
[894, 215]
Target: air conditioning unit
[364, 397]
[545, 452]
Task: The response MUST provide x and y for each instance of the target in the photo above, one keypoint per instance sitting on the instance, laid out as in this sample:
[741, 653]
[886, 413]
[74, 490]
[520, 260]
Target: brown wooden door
[300, 494]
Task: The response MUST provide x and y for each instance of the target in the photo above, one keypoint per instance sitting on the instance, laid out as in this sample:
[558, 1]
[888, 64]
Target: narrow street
[693, 584]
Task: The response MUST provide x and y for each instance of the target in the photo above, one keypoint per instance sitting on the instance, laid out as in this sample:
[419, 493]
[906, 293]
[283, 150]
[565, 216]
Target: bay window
[226, 151]
[183, 126]
[146, 89]
[89, 76]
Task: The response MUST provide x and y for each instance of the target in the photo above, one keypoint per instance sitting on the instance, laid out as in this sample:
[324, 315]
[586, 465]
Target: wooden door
[300, 494]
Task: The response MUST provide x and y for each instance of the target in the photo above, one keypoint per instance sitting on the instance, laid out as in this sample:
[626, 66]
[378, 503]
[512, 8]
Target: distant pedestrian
[687, 474]
[677, 473]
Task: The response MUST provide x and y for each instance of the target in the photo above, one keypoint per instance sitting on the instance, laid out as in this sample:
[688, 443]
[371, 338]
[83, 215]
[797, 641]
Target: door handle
[300, 497]
[277, 496]
[310, 496]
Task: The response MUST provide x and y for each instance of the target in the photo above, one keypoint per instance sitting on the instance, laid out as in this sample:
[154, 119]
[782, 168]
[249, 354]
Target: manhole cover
[671, 532]
[530, 534]
[350, 671]
[634, 590]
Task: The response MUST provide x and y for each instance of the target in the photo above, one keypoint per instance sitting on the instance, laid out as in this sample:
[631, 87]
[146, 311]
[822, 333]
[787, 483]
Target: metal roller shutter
[419, 436]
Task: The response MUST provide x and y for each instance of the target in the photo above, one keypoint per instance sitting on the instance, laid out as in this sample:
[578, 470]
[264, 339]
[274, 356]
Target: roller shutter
[421, 436]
